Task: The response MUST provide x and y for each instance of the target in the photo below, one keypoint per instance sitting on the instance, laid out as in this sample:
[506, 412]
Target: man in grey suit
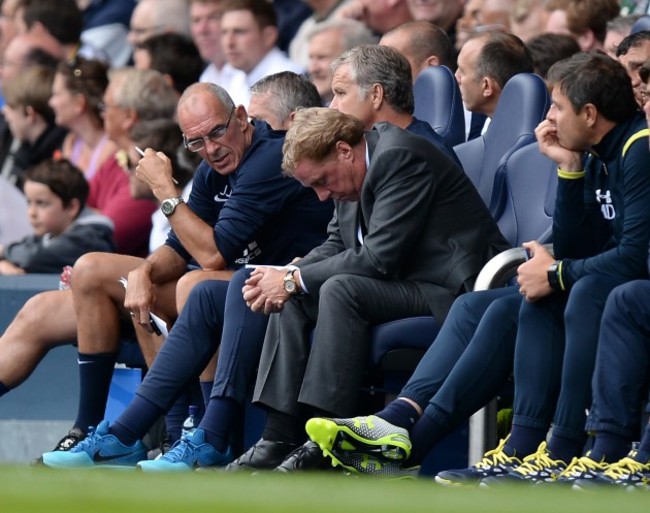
[409, 234]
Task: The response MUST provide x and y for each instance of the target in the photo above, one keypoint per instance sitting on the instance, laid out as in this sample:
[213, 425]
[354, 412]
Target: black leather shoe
[264, 455]
[306, 457]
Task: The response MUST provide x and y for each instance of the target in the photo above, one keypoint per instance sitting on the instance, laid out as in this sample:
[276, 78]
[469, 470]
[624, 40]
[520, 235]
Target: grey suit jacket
[423, 221]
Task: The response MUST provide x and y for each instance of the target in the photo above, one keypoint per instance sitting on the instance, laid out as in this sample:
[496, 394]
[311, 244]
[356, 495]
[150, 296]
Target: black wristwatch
[553, 276]
[169, 205]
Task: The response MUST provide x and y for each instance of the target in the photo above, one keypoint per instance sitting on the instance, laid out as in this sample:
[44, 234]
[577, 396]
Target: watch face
[290, 286]
[169, 205]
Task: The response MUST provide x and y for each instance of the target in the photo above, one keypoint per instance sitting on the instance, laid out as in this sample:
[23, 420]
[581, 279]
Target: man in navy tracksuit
[601, 230]
[251, 212]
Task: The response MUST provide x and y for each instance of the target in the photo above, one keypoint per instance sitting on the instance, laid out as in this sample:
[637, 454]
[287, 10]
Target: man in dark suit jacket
[409, 234]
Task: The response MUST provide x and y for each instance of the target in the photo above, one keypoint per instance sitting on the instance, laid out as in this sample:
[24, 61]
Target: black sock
[221, 415]
[281, 427]
[136, 420]
[565, 449]
[424, 435]
[3, 389]
[95, 374]
[609, 447]
[177, 414]
[400, 413]
[524, 440]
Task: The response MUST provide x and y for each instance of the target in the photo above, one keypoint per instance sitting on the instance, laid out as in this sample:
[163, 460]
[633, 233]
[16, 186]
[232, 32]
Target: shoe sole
[331, 436]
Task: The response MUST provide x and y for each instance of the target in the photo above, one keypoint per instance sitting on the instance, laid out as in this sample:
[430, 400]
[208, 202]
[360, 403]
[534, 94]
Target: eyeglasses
[215, 134]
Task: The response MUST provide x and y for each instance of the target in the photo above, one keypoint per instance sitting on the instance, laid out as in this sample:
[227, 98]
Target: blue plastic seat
[523, 104]
[438, 102]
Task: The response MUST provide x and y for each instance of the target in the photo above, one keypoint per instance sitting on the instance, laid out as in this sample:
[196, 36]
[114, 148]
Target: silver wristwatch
[168, 206]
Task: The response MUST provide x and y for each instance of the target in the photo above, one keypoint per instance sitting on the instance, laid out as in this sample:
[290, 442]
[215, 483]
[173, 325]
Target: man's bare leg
[45, 321]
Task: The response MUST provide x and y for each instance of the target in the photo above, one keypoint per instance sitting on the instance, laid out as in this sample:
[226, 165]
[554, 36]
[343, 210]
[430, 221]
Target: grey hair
[289, 90]
[145, 91]
[375, 64]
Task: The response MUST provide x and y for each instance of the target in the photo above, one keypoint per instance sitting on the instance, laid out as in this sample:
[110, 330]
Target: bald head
[151, 17]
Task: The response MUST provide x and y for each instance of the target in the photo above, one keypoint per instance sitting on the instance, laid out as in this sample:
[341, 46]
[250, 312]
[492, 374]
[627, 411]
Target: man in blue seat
[384, 259]
[373, 83]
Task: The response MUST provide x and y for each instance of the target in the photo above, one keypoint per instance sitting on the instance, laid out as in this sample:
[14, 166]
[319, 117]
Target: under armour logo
[606, 206]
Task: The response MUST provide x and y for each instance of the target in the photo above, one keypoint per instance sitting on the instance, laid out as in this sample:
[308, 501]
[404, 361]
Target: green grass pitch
[25, 489]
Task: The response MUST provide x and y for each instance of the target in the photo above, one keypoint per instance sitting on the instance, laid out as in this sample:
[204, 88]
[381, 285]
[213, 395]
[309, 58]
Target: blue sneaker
[99, 448]
[188, 453]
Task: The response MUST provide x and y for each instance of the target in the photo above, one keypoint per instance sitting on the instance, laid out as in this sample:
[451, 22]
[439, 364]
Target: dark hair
[174, 55]
[632, 41]
[164, 135]
[40, 57]
[63, 178]
[592, 78]
[290, 91]
[547, 49]
[62, 18]
[502, 56]
[88, 77]
[263, 10]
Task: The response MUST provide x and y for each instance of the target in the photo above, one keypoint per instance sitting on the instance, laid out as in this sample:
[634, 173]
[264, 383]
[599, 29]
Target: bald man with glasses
[242, 210]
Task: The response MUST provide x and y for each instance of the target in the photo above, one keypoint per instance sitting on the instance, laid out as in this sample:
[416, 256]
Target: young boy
[64, 229]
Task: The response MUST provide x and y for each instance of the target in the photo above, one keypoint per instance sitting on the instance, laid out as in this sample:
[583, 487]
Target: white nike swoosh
[82, 363]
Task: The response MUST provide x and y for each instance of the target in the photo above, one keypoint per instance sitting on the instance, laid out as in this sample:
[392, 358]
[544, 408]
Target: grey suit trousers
[316, 349]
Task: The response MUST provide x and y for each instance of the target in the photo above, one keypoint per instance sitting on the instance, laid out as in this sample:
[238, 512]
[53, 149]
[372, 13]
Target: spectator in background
[31, 120]
[151, 17]
[64, 229]
[633, 52]
[326, 41]
[60, 22]
[547, 49]
[482, 15]
[205, 20]
[132, 96]
[528, 18]
[442, 13]
[23, 51]
[105, 28]
[422, 43]
[323, 11]
[275, 98]
[617, 29]
[249, 34]
[586, 20]
[378, 15]
[174, 55]
[76, 100]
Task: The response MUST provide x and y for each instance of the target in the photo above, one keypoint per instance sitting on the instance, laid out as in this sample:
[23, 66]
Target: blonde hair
[314, 134]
